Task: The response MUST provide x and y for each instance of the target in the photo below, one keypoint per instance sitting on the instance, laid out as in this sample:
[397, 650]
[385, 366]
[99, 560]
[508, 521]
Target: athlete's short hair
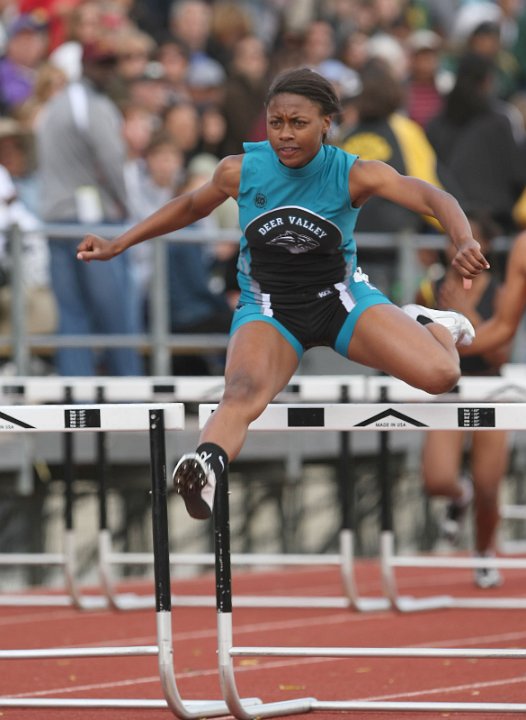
[309, 84]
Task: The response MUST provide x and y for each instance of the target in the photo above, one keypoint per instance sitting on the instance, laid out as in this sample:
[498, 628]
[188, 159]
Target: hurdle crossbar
[66, 419]
[426, 416]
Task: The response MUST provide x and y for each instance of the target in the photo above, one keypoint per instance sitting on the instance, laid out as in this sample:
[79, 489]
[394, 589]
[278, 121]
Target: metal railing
[159, 342]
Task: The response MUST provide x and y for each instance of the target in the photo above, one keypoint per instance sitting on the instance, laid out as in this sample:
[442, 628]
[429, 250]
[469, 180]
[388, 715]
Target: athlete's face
[295, 128]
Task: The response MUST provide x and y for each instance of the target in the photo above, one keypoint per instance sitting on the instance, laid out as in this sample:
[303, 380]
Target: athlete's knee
[440, 482]
[246, 392]
[440, 376]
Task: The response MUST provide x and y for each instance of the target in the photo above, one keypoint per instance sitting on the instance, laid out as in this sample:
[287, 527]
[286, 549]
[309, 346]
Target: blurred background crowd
[108, 108]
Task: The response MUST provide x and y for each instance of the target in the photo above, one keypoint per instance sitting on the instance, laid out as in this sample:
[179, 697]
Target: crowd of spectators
[109, 107]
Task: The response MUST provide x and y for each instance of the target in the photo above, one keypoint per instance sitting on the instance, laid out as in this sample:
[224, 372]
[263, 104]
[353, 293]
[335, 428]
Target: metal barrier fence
[158, 342]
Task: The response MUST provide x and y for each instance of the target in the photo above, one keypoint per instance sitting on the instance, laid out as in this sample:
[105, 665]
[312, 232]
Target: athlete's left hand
[469, 260]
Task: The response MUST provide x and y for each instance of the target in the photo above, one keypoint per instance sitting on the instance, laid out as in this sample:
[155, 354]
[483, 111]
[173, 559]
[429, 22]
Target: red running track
[271, 679]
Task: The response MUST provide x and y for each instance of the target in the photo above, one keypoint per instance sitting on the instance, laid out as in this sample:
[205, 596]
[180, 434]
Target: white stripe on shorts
[345, 296]
[266, 304]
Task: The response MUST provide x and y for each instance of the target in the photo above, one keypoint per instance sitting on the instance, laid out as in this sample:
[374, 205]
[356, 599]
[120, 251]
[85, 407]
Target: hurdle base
[194, 706]
[419, 706]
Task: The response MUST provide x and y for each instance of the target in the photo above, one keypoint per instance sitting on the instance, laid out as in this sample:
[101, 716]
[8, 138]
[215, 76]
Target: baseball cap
[424, 40]
[205, 73]
[26, 22]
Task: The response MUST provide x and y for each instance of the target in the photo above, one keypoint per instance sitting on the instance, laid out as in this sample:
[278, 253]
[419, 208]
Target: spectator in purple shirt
[26, 48]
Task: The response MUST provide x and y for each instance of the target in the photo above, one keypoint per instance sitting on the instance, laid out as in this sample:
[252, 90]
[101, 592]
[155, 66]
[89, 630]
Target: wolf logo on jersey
[294, 242]
[295, 230]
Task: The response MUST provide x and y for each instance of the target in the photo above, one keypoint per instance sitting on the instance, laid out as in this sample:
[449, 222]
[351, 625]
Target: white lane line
[272, 665]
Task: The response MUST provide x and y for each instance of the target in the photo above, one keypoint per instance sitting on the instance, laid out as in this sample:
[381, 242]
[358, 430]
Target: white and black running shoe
[195, 481]
[458, 325]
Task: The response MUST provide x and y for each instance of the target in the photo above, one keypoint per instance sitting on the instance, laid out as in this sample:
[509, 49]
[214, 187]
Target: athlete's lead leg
[424, 356]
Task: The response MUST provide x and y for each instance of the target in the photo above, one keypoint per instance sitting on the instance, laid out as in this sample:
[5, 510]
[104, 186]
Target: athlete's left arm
[375, 178]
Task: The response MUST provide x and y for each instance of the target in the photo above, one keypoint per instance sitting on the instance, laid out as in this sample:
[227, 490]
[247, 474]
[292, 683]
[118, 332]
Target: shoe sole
[189, 482]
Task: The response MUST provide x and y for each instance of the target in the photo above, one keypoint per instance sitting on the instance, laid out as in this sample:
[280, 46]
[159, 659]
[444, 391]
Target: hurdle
[384, 417]
[307, 389]
[52, 389]
[156, 420]
[484, 390]
[340, 388]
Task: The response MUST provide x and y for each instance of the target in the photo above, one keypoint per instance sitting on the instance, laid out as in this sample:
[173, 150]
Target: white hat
[205, 73]
[470, 16]
[424, 40]
[68, 58]
[388, 48]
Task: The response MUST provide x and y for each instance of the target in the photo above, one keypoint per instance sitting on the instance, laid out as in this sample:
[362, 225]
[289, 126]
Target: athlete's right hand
[94, 247]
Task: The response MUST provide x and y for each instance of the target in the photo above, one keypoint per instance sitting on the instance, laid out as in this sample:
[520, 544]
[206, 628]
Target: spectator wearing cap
[56, 13]
[469, 16]
[206, 82]
[486, 39]
[26, 48]
[81, 156]
[426, 82]
[151, 89]
[348, 85]
[388, 48]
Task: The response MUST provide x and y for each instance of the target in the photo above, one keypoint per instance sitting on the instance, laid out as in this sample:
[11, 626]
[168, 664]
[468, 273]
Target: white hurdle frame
[384, 417]
[155, 419]
[53, 389]
[483, 390]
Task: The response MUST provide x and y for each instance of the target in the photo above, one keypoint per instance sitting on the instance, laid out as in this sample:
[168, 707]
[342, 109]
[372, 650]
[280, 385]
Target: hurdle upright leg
[243, 710]
[70, 544]
[347, 485]
[106, 556]
[163, 601]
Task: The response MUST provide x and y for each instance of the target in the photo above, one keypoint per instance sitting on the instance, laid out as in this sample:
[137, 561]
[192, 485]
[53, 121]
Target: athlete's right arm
[511, 304]
[174, 215]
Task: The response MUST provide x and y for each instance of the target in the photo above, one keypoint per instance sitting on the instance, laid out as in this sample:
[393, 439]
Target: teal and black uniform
[297, 267]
